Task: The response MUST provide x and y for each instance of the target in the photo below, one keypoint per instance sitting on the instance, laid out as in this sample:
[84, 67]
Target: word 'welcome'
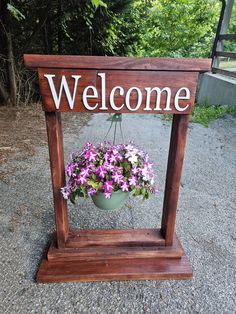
[106, 95]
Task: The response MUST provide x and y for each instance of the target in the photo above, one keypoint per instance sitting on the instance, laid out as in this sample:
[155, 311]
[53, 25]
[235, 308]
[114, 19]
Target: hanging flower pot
[108, 173]
[116, 201]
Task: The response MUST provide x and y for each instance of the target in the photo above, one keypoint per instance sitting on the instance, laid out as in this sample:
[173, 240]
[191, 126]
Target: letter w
[64, 85]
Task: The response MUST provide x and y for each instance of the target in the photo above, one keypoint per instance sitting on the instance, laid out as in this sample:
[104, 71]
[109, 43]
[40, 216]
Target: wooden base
[92, 255]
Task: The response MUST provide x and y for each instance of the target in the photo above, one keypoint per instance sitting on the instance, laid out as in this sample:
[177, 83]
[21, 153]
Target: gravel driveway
[205, 225]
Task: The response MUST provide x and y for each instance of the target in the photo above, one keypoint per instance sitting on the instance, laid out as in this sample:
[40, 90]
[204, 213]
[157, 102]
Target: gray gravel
[205, 225]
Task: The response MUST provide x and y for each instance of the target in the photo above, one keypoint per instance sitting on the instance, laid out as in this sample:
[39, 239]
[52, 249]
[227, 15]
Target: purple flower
[133, 181]
[117, 177]
[101, 172]
[82, 180]
[119, 157]
[145, 172]
[108, 186]
[90, 166]
[92, 191]
[112, 158]
[139, 172]
[125, 186]
[91, 156]
[110, 167]
[85, 172]
[69, 169]
[148, 165]
[121, 165]
[65, 192]
[135, 170]
[119, 169]
[106, 157]
[72, 184]
[107, 194]
[129, 147]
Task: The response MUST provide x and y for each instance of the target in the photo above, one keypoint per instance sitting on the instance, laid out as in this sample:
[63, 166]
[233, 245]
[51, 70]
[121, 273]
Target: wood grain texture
[114, 249]
[113, 269]
[56, 154]
[104, 262]
[122, 237]
[172, 80]
[118, 63]
[173, 175]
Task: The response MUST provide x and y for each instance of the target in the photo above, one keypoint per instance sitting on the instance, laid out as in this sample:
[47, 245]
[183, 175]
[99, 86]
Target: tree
[86, 27]
[182, 28]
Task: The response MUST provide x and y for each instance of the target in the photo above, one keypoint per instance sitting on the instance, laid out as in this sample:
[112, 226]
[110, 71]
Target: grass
[228, 64]
[204, 114]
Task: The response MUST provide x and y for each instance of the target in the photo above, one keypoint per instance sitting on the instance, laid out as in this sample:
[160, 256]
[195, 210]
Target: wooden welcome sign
[116, 85]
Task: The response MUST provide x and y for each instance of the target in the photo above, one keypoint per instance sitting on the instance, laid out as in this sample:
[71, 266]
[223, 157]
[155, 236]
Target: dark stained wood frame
[90, 255]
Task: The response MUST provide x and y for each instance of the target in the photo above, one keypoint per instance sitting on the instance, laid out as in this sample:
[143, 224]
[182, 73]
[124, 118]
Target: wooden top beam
[35, 61]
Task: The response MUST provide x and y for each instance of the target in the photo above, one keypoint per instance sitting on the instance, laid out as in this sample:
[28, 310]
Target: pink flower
[82, 180]
[85, 172]
[110, 167]
[112, 158]
[92, 191]
[106, 157]
[117, 177]
[65, 192]
[145, 172]
[108, 186]
[101, 172]
[91, 156]
[133, 181]
[69, 169]
[119, 157]
[107, 194]
[125, 186]
[90, 166]
[134, 170]
[148, 165]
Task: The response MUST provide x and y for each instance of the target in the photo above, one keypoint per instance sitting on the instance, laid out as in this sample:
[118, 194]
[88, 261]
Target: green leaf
[94, 184]
[84, 191]
[127, 167]
[137, 192]
[143, 192]
[98, 3]
[15, 12]
[72, 197]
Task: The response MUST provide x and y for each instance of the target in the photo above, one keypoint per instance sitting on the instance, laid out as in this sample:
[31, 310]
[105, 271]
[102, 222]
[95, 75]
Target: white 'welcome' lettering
[64, 85]
[91, 92]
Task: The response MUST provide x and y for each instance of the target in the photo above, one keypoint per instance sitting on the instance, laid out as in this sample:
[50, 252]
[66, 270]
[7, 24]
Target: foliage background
[182, 28]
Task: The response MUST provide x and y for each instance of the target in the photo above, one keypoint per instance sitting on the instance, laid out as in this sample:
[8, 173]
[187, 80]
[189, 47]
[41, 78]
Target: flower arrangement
[107, 168]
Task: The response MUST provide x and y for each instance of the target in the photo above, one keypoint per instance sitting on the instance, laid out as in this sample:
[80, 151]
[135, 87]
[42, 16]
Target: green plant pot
[116, 201]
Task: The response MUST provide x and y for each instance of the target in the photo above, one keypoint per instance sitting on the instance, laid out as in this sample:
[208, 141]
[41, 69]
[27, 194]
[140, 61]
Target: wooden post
[173, 175]
[56, 153]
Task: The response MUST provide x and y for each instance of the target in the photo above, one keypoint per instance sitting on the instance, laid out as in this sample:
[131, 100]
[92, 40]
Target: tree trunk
[7, 94]
[4, 96]
[11, 70]
[59, 27]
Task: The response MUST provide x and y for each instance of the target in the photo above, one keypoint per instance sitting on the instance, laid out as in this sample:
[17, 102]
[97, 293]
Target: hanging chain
[116, 118]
